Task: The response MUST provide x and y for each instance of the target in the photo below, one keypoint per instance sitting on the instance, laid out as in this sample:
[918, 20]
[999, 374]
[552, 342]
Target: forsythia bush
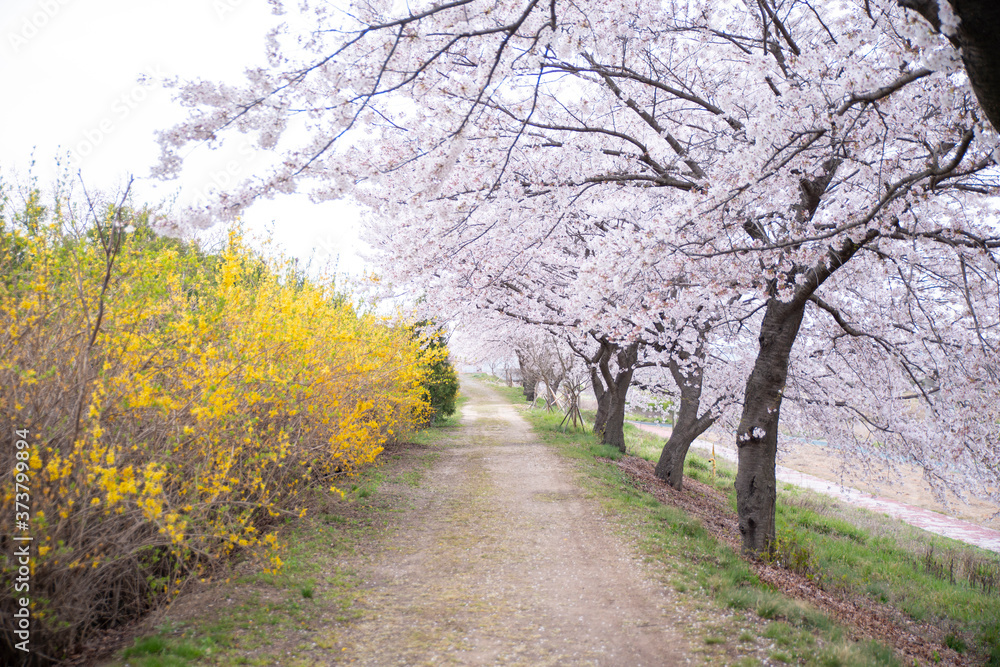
[178, 403]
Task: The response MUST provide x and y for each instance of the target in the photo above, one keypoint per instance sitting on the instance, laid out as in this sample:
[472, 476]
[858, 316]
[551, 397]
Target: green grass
[304, 602]
[159, 651]
[927, 577]
[701, 566]
[310, 588]
[850, 549]
[842, 547]
[513, 394]
[450, 423]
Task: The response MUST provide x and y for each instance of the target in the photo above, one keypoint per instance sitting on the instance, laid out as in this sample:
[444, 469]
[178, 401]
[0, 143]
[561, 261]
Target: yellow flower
[235, 374]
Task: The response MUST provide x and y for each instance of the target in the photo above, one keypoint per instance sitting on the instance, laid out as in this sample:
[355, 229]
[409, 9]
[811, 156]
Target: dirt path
[504, 560]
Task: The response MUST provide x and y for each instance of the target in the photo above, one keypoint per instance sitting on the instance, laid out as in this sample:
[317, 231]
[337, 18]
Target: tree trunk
[670, 467]
[686, 429]
[687, 424]
[979, 32]
[617, 386]
[528, 386]
[528, 378]
[757, 435]
[603, 400]
[614, 427]
[977, 38]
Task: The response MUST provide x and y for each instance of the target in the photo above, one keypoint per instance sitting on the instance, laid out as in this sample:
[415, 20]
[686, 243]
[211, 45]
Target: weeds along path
[505, 561]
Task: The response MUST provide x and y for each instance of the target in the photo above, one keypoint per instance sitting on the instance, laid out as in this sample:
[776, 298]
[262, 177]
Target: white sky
[70, 71]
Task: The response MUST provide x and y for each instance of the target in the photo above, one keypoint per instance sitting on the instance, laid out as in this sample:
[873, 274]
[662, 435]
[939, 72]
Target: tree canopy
[684, 174]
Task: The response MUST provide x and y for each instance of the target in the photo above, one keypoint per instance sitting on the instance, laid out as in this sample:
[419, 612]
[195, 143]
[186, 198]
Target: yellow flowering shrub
[178, 403]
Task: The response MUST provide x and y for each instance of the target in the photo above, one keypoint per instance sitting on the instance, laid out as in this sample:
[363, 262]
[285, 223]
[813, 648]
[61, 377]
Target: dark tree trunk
[757, 435]
[617, 386]
[687, 426]
[979, 35]
[603, 400]
[529, 380]
[979, 40]
[614, 427]
[528, 388]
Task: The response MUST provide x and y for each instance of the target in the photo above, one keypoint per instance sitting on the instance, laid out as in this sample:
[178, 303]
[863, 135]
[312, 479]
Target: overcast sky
[82, 77]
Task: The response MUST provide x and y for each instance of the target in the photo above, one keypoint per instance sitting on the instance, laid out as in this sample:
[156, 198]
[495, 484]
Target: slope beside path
[921, 517]
[506, 561]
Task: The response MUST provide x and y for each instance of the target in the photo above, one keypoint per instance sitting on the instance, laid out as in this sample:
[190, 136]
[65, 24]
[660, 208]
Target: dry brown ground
[507, 562]
[908, 486]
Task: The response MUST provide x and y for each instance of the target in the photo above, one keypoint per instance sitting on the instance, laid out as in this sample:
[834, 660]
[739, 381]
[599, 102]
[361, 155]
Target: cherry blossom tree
[573, 162]
[973, 27]
[913, 348]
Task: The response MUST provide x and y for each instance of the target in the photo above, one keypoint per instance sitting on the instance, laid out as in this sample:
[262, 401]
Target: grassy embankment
[258, 619]
[849, 551]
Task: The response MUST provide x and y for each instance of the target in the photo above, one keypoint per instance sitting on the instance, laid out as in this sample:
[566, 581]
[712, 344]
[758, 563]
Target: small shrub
[955, 643]
[989, 639]
[791, 552]
[440, 381]
[768, 607]
[981, 573]
[744, 598]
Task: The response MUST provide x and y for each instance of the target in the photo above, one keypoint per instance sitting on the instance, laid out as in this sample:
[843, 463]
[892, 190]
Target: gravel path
[502, 559]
